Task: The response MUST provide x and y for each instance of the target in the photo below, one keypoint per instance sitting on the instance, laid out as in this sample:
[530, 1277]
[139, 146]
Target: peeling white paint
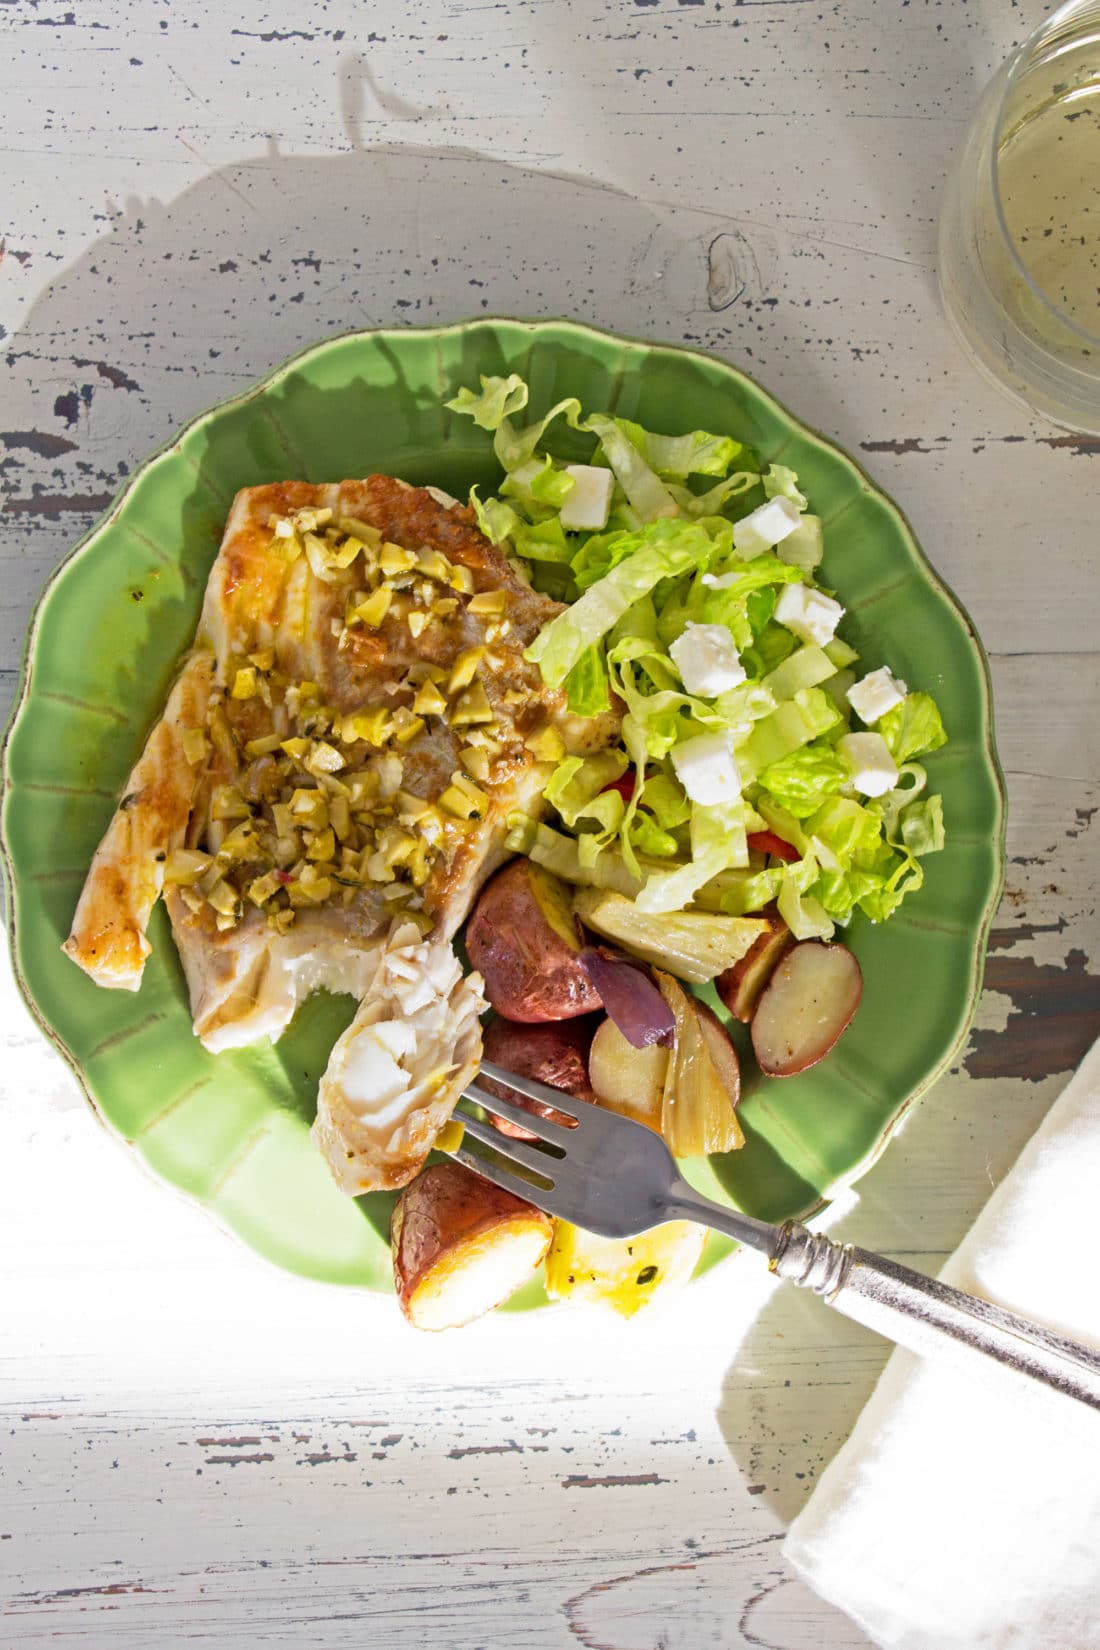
[194, 1444]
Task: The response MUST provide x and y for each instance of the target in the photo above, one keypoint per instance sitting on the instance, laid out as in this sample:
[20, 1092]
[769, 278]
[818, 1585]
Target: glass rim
[1018, 64]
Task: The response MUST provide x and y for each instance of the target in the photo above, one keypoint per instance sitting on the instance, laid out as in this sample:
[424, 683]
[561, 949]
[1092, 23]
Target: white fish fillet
[245, 977]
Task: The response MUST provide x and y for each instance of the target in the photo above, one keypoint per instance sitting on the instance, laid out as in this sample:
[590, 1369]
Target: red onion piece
[630, 998]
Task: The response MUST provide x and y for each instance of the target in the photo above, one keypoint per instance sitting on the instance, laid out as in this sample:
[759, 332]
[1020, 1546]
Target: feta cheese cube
[877, 693]
[764, 527]
[708, 661]
[589, 502]
[812, 616]
[706, 768]
[874, 771]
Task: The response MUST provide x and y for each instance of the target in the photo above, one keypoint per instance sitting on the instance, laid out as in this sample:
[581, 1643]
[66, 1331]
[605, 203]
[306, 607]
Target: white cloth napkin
[964, 1511]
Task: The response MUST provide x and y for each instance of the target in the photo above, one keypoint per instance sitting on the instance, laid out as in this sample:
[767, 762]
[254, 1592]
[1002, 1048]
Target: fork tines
[533, 1089]
[544, 1128]
[521, 1152]
[512, 1162]
[497, 1170]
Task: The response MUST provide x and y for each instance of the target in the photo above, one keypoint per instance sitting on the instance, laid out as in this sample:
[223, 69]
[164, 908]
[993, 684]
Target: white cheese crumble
[588, 505]
[874, 771]
[708, 661]
[765, 527]
[877, 693]
[809, 614]
[706, 768]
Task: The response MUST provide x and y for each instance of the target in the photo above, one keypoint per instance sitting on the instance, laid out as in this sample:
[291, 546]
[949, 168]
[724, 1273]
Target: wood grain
[195, 1447]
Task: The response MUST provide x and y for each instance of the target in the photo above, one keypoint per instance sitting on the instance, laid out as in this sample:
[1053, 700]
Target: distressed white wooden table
[197, 1448]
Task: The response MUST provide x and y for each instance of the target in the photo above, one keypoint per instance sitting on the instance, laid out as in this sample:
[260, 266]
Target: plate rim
[174, 443]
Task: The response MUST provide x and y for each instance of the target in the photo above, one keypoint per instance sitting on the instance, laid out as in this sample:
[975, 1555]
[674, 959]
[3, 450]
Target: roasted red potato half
[810, 999]
[461, 1246]
[740, 987]
[555, 1053]
[526, 942]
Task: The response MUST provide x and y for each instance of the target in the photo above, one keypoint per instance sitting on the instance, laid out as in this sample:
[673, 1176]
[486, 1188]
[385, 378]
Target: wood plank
[197, 1447]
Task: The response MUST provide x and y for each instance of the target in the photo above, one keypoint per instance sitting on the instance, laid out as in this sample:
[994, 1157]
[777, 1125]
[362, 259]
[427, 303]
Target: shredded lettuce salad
[668, 556]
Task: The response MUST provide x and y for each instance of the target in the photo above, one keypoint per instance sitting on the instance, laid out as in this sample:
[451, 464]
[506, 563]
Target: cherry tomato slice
[624, 785]
[766, 842]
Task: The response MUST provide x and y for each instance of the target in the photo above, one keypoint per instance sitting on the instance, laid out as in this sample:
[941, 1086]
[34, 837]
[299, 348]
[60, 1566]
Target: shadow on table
[181, 303]
[184, 302]
[820, 1367]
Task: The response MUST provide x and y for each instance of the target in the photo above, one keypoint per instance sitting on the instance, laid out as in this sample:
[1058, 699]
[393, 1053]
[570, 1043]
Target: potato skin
[446, 1207]
[722, 1051]
[742, 986]
[807, 1005]
[531, 972]
[555, 1052]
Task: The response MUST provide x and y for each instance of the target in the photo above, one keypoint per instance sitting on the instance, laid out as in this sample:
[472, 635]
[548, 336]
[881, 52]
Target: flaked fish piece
[394, 1075]
[329, 786]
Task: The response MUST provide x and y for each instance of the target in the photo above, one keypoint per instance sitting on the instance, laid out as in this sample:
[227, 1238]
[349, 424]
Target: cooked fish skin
[246, 980]
[127, 873]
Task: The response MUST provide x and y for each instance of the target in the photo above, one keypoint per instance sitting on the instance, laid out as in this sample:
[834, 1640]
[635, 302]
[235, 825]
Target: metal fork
[616, 1178]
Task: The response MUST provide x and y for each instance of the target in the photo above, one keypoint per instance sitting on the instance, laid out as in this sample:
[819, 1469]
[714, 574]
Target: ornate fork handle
[920, 1313]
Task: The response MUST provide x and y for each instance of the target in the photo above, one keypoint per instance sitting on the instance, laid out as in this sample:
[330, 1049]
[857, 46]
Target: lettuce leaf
[715, 498]
[499, 398]
[717, 841]
[791, 725]
[544, 541]
[586, 684]
[781, 482]
[576, 788]
[922, 826]
[661, 551]
[802, 781]
[647, 837]
[665, 799]
[860, 869]
[493, 409]
[804, 915]
[577, 779]
[913, 728]
[538, 482]
[515, 447]
[768, 650]
[675, 457]
[599, 554]
[724, 596]
[496, 520]
[738, 892]
[851, 832]
[647, 494]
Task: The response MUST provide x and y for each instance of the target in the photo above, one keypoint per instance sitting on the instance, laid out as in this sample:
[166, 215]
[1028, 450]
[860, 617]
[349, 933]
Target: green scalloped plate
[232, 1130]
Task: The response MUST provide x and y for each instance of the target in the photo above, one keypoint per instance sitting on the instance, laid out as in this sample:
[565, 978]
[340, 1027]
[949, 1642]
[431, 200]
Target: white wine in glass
[1020, 231]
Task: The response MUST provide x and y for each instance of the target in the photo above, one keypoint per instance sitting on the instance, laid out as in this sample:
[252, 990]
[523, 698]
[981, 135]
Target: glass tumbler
[1019, 254]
